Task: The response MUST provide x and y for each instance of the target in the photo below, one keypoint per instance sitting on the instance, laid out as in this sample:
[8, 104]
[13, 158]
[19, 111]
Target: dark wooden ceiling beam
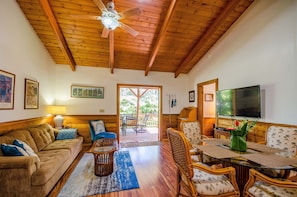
[215, 25]
[161, 36]
[58, 33]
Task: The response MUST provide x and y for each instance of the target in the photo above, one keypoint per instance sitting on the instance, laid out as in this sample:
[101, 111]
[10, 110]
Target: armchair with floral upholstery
[199, 179]
[283, 138]
[261, 185]
[192, 131]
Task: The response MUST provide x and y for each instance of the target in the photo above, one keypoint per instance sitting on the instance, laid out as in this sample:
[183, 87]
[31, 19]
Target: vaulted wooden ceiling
[173, 34]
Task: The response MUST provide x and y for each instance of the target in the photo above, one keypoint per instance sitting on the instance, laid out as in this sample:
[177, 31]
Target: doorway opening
[206, 106]
[138, 113]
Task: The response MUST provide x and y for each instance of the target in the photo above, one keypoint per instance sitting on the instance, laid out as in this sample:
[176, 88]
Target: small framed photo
[208, 97]
[7, 82]
[78, 91]
[192, 96]
[31, 94]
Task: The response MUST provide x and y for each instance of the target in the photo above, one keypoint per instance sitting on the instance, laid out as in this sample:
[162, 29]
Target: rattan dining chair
[198, 179]
[192, 131]
[260, 185]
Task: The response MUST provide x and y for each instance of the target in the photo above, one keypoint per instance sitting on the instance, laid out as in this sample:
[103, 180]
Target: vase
[238, 143]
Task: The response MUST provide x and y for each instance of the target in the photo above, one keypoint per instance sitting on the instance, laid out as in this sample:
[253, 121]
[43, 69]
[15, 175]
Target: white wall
[102, 77]
[261, 49]
[22, 54]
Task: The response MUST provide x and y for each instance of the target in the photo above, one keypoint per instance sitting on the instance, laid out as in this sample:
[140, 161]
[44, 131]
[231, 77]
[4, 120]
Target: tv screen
[224, 102]
[244, 102]
[248, 102]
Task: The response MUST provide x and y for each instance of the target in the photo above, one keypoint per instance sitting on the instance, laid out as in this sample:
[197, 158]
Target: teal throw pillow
[67, 134]
[13, 150]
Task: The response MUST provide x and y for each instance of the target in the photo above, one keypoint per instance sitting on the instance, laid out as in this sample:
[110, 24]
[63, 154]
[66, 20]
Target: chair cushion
[284, 138]
[208, 184]
[192, 131]
[261, 188]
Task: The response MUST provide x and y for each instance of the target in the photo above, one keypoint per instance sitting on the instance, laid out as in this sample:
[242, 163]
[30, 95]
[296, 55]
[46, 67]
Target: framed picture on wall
[78, 91]
[192, 96]
[31, 94]
[208, 97]
[7, 81]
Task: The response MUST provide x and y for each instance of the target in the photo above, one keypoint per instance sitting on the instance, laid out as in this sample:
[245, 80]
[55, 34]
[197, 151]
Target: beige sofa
[31, 175]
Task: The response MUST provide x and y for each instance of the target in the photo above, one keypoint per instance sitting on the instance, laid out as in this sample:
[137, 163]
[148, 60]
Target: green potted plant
[238, 134]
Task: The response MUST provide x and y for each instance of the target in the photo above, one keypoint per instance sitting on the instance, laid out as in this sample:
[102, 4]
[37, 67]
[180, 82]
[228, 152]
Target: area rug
[83, 182]
[142, 143]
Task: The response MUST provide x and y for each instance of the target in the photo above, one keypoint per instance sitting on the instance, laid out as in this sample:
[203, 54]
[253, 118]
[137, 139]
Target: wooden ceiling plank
[161, 36]
[215, 25]
[59, 35]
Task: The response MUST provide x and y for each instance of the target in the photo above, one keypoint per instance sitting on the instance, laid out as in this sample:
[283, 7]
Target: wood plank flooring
[155, 170]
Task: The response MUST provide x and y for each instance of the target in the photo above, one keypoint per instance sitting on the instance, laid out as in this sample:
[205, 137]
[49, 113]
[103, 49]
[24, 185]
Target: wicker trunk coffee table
[103, 151]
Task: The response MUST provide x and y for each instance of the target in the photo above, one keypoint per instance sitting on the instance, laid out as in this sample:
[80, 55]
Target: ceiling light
[110, 20]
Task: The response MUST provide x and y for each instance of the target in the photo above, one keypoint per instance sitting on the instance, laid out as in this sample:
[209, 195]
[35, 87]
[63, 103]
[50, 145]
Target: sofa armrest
[16, 173]
[10, 162]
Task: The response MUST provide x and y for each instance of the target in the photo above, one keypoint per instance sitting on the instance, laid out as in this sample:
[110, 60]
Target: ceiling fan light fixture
[110, 20]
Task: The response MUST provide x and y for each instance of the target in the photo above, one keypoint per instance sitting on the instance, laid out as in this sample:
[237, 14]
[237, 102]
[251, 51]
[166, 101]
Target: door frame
[200, 100]
[119, 86]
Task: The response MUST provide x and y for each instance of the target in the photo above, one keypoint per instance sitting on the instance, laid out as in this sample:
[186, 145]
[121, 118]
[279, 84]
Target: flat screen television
[245, 102]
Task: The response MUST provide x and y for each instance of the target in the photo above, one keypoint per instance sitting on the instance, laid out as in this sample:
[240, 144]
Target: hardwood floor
[155, 170]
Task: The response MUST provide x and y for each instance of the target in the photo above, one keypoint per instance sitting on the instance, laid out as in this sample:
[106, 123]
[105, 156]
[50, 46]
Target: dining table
[257, 156]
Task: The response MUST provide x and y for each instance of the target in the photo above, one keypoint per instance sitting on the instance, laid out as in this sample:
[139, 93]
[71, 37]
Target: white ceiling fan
[110, 18]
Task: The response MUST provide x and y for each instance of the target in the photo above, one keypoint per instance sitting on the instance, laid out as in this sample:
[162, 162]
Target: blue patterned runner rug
[83, 181]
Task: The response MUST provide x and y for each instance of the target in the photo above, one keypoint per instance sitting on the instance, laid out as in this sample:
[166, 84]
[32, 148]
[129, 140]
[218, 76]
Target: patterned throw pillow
[98, 126]
[13, 150]
[25, 147]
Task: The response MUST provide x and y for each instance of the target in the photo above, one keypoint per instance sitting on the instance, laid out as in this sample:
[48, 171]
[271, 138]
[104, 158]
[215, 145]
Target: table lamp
[58, 110]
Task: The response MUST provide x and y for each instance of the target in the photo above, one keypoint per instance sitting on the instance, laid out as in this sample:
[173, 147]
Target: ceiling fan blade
[128, 29]
[130, 12]
[87, 17]
[100, 5]
[105, 33]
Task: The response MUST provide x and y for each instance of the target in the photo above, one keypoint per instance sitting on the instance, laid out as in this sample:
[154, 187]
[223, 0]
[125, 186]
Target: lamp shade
[57, 109]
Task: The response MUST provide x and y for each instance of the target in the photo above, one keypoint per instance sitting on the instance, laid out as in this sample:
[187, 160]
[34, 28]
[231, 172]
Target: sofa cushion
[5, 140]
[20, 134]
[43, 135]
[51, 161]
[70, 144]
[13, 150]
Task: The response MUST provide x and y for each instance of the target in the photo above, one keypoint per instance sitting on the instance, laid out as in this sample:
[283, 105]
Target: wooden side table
[103, 151]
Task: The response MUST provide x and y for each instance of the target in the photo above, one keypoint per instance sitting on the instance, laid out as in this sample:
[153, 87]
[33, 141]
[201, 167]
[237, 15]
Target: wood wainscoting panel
[25, 123]
[81, 122]
[257, 134]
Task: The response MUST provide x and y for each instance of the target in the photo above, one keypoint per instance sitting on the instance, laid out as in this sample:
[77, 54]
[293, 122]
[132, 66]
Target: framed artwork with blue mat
[83, 181]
